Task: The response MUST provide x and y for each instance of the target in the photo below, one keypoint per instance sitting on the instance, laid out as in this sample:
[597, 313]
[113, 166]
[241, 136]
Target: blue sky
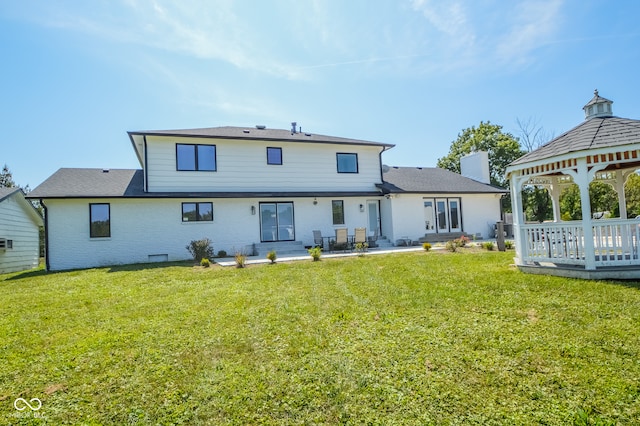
[77, 75]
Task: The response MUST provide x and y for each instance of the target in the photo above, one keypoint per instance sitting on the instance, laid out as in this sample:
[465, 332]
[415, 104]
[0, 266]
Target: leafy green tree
[632, 195]
[602, 196]
[503, 148]
[6, 178]
[537, 204]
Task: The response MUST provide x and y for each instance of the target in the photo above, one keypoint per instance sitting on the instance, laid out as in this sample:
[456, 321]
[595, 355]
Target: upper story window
[99, 220]
[197, 212]
[196, 157]
[274, 155]
[347, 162]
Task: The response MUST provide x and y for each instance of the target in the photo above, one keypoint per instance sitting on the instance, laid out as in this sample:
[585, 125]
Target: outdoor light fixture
[315, 201]
[253, 209]
[361, 207]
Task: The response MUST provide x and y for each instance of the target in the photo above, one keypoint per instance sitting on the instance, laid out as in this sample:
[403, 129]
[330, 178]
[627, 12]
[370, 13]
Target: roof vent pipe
[293, 127]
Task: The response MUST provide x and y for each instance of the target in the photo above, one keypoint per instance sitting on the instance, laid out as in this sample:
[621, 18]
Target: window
[277, 222]
[274, 155]
[337, 208]
[347, 163]
[196, 157]
[197, 212]
[100, 220]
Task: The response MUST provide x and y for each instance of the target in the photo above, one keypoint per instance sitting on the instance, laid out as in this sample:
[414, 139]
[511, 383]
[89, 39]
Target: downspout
[144, 166]
[46, 236]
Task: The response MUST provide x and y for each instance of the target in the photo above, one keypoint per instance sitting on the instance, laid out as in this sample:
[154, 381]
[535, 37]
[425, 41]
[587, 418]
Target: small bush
[315, 253]
[488, 245]
[462, 241]
[222, 253]
[205, 263]
[200, 249]
[452, 245]
[241, 259]
[426, 246]
[508, 244]
[272, 256]
[361, 248]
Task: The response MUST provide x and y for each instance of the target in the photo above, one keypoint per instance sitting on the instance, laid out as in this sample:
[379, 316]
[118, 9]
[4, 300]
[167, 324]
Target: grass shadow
[146, 266]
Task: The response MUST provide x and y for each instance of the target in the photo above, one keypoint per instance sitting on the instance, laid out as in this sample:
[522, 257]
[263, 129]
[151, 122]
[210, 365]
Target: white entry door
[455, 224]
[373, 217]
[447, 211]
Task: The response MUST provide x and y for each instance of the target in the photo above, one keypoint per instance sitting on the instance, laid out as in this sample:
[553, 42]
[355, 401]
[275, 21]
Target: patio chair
[317, 239]
[360, 237]
[372, 240]
[342, 240]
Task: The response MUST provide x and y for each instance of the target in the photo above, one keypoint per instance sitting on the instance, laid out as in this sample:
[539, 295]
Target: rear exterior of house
[246, 189]
[19, 232]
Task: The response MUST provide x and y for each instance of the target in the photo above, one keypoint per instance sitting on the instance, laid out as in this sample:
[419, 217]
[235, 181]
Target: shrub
[205, 263]
[508, 244]
[488, 245]
[315, 253]
[272, 256]
[452, 245]
[200, 249]
[241, 259]
[462, 241]
[222, 253]
[361, 248]
[426, 246]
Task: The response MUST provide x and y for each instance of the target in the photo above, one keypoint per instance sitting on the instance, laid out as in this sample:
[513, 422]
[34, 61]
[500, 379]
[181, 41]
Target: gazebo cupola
[597, 107]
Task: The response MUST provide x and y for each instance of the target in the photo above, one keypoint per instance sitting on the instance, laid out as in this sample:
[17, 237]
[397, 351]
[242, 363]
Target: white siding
[479, 213]
[17, 225]
[242, 166]
[144, 228]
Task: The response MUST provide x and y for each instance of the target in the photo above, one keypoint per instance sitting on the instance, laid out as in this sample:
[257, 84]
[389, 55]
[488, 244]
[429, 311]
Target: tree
[602, 196]
[632, 195]
[6, 178]
[537, 203]
[532, 135]
[503, 148]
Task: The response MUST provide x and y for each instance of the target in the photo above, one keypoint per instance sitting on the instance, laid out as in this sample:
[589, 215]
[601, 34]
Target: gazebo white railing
[615, 243]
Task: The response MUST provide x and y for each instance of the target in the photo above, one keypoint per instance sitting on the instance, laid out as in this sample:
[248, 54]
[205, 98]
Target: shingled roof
[597, 132]
[129, 183]
[431, 180]
[257, 133]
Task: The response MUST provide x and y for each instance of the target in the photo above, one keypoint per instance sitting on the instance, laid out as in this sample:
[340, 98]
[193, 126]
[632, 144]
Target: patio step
[281, 247]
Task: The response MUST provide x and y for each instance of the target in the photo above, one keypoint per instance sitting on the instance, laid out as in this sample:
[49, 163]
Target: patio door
[276, 222]
[373, 217]
[448, 215]
[429, 217]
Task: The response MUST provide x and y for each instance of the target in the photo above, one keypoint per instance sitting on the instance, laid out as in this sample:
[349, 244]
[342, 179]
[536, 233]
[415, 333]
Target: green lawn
[411, 338]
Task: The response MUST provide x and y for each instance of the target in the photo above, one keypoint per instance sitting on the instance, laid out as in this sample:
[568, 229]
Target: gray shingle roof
[599, 132]
[431, 180]
[7, 192]
[116, 183]
[229, 132]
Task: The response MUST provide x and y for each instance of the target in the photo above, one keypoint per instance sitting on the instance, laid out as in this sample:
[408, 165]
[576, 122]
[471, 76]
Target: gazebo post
[582, 180]
[554, 190]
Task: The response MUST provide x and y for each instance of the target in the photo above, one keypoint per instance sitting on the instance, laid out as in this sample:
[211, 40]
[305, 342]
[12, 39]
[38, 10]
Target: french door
[277, 222]
[442, 215]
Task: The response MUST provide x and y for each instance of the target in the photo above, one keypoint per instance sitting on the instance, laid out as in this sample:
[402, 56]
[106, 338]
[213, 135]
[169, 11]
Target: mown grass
[412, 338]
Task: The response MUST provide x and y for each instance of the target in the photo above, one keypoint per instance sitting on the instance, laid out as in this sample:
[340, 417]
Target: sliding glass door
[276, 222]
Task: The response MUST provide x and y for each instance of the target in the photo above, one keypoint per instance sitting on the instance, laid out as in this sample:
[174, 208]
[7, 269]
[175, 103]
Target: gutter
[46, 235]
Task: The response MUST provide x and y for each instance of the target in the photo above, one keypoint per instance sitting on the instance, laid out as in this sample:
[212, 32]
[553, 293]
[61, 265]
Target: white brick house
[239, 187]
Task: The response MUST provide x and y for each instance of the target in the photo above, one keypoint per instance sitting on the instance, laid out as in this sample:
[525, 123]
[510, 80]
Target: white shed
[19, 232]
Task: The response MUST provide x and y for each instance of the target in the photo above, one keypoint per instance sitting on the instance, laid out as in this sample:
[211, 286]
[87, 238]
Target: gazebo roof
[594, 133]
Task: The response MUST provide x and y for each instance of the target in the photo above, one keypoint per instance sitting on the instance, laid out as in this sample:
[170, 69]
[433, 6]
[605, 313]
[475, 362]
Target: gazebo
[602, 148]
